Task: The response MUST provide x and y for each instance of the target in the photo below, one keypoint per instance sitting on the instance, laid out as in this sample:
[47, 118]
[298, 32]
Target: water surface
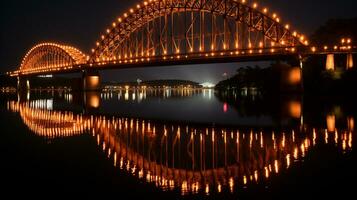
[188, 143]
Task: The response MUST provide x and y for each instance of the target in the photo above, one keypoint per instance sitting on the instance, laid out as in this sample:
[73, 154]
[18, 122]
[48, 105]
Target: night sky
[81, 22]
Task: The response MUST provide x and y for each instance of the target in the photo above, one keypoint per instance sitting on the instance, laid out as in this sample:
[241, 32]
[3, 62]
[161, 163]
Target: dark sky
[80, 22]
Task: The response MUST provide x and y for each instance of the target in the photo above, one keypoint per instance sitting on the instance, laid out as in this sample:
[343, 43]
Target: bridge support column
[351, 123]
[330, 62]
[291, 79]
[91, 81]
[91, 101]
[23, 84]
[331, 123]
[349, 64]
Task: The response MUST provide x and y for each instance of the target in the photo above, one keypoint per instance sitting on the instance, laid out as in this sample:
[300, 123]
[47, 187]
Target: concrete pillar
[294, 76]
[291, 79]
[23, 84]
[349, 63]
[92, 100]
[294, 108]
[91, 81]
[330, 62]
[351, 123]
[331, 123]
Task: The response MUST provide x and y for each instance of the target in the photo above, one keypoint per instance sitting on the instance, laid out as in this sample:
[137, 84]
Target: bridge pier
[292, 79]
[350, 123]
[291, 75]
[331, 123]
[91, 101]
[23, 84]
[91, 80]
[349, 63]
[330, 62]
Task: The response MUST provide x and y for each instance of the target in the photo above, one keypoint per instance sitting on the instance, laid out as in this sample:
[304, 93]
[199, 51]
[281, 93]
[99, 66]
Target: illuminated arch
[258, 158]
[48, 123]
[51, 57]
[209, 26]
[254, 156]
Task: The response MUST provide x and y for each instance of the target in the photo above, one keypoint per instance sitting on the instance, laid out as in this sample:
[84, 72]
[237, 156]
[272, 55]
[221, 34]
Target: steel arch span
[51, 57]
[166, 28]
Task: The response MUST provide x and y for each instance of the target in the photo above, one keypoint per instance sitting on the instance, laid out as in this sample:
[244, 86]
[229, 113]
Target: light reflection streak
[193, 159]
[139, 94]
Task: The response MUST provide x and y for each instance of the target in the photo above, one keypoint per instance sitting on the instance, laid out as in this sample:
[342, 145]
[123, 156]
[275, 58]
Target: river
[177, 143]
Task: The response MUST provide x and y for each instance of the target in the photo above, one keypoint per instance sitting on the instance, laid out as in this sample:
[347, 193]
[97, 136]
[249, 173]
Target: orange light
[295, 109]
[331, 123]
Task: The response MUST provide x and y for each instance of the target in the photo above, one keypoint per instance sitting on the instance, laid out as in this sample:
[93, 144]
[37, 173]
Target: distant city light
[207, 85]
[46, 76]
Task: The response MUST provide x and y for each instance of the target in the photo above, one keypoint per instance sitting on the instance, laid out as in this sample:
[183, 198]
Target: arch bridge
[174, 32]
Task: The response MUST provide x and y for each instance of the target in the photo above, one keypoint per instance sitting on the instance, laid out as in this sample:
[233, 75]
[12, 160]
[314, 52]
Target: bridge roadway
[191, 59]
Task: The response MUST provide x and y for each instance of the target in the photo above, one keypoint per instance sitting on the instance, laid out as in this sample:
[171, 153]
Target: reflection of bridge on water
[192, 159]
[43, 121]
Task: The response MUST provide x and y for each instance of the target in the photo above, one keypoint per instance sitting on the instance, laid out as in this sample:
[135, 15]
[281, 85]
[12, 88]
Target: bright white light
[207, 85]
[46, 76]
